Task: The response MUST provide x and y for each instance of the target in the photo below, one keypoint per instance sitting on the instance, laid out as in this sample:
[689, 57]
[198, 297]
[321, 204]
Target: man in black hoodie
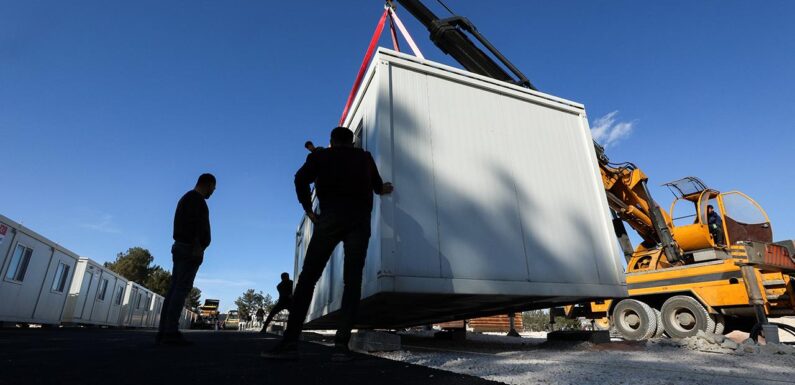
[345, 179]
[191, 238]
[285, 289]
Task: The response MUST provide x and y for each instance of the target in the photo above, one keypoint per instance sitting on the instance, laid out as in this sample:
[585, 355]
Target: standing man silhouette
[345, 179]
[285, 289]
[191, 238]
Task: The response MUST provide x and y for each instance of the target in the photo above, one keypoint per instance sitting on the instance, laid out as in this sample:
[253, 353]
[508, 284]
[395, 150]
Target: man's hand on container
[387, 189]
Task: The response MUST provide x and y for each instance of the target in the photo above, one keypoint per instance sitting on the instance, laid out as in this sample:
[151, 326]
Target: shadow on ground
[98, 356]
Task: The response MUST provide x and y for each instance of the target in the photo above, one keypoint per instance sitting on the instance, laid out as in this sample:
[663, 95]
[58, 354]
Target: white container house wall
[35, 275]
[134, 307]
[498, 200]
[104, 301]
[117, 302]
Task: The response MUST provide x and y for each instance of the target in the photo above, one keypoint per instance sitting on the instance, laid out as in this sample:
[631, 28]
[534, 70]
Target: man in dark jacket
[191, 238]
[345, 179]
[715, 225]
[285, 289]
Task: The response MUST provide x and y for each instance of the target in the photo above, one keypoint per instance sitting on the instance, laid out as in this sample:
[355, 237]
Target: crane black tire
[720, 323]
[683, 317]
[660, 327]
[634, 320]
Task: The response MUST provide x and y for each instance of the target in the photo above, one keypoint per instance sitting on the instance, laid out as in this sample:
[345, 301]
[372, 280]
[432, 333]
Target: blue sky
[110, 110]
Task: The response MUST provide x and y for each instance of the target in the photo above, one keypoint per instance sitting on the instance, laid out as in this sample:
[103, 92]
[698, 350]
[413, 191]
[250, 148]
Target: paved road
[95, 356]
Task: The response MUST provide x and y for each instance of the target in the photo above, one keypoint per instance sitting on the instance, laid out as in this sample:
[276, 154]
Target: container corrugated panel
[35, 275]
[498, 202]
[117, 304]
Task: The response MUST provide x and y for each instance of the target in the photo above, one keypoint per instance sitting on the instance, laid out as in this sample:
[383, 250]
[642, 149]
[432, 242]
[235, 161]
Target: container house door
[85, 289]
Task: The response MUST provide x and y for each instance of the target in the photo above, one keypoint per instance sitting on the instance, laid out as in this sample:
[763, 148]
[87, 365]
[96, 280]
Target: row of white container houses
[44, 283]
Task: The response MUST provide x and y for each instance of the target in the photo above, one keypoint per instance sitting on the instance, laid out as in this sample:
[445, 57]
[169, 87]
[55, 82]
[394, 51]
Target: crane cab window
[745, 220]
[683, 213]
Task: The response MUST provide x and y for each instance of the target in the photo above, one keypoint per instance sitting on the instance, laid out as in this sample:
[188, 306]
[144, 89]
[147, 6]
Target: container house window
[103, 289]
[19, 263]
[119, 295]
[59, 281]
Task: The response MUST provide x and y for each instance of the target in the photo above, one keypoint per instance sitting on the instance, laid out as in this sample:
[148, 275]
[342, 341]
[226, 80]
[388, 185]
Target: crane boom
[448, 34]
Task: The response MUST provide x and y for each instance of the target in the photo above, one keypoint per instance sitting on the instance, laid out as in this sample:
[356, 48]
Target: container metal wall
[36, 298]
[100, 315]
[117, 302]
[134, 310]
[498, 199]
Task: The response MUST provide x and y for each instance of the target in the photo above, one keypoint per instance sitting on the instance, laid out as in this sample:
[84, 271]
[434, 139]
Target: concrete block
[729, 344]
[596, 337]
[456, 334]
[372, 341]
[770, 332]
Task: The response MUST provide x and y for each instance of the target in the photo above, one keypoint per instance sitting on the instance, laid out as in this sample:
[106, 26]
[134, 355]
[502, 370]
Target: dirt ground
[533, 360]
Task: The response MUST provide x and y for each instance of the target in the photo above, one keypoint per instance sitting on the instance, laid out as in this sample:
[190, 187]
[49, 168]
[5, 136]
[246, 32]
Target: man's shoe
[287, 351]
[341, 354]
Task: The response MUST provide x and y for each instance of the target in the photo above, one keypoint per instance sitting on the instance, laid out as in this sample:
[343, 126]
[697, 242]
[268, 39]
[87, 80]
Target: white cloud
[104, 223]
[608, 132]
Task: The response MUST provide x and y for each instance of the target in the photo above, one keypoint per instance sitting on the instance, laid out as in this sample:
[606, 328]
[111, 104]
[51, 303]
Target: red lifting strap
[373, 42]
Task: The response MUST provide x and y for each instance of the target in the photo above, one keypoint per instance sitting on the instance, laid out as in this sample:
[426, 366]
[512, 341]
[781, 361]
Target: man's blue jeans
[182, 275]
[353, 230]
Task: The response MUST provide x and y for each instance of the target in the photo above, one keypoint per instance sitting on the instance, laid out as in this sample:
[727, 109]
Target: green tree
[267, 303]
[193, 298]
[538, 321]
[158, 280]
[250, 301]
[136, 265]
[535, 320]
[133, 265]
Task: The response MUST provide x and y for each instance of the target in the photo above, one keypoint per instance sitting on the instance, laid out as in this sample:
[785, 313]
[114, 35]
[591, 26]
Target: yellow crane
[693, 275]
[680, 278]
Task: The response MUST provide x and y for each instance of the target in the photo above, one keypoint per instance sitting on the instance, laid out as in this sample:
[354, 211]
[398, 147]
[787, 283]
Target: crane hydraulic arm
[448, 34]
[630, 201]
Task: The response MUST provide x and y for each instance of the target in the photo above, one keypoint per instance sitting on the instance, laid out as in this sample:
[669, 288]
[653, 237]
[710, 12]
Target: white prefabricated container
[82, 292]
[91, 296]
[35, 275]
[186, 318]
[155, 308]
[117, 302]
[135, 308]
[498, 200]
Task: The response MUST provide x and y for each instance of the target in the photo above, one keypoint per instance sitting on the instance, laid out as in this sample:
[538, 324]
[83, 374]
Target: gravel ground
[532, 360]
